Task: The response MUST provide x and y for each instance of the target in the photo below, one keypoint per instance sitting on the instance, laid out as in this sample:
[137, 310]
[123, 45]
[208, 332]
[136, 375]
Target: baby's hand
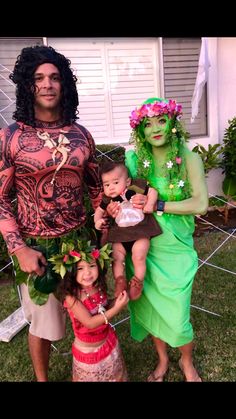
[100, 223]
[113, 208]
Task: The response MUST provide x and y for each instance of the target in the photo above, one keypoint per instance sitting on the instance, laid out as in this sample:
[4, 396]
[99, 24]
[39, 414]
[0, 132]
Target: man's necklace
[59, 147]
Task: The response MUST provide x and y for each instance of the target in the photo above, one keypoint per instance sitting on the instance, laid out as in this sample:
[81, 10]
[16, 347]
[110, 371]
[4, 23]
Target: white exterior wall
[226, 82]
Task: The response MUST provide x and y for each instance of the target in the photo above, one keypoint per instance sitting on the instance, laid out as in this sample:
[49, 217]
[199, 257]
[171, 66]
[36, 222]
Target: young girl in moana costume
[96, 351]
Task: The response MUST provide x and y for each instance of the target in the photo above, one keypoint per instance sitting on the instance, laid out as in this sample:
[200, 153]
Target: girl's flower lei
[170, 108]
[74, 251]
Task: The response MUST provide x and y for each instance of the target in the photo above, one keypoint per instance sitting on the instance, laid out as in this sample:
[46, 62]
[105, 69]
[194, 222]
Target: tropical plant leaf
[62, 271]
[101, 263]
[48, 282]
[37, 297]
[104, 255]
[20, 276]
[67, 247]
[229, 186]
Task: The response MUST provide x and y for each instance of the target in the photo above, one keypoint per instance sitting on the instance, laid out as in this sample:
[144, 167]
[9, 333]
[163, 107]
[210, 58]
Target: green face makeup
[155, 130]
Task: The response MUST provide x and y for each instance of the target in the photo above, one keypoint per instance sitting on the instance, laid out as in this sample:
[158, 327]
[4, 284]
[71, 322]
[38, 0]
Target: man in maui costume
[163, 310]
[46, 157]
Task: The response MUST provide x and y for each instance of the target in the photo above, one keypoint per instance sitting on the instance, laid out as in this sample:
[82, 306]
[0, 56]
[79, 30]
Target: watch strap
[160, 207]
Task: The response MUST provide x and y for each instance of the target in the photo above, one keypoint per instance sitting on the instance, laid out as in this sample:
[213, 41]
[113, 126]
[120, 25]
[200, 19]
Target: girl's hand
[113, 209]
[138, 200]
[122, 300]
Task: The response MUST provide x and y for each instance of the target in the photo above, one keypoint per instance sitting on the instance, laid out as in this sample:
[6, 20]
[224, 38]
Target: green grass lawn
[215, 337]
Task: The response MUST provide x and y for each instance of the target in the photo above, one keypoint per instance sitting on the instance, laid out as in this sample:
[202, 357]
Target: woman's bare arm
[198, 203]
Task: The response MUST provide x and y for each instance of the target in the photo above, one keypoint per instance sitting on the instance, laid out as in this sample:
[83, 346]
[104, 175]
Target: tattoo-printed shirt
[46, 168]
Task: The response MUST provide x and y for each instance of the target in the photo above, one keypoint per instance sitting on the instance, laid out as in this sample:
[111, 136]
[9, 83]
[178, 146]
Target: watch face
[160, 205]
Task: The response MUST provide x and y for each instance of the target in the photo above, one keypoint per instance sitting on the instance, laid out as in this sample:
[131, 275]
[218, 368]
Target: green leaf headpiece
[74, 251]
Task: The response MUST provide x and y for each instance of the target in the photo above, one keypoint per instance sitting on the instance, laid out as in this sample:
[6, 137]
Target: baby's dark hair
[110, 165]
[69, 285]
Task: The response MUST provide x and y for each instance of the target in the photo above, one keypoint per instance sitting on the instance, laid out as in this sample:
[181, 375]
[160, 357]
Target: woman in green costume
[162, 157]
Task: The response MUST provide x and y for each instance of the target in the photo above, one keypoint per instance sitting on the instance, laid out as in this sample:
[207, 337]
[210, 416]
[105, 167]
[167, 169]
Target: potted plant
[211, 160]
[210, 157]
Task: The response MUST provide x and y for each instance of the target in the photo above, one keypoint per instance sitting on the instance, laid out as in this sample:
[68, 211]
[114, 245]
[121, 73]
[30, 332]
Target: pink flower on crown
[150, 113]
[66, 257]
[95, 253]
[154, 109]
[178, 109]
[74, 253]
[134, 118]
[157, 107]
[178, 160]
[172, 105]
[143, 111]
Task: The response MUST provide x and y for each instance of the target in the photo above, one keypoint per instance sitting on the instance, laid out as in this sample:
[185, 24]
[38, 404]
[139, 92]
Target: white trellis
[5, 97]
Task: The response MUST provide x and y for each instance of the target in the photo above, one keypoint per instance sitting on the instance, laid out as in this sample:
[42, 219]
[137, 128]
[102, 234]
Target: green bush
[228, 162]
[214, 201]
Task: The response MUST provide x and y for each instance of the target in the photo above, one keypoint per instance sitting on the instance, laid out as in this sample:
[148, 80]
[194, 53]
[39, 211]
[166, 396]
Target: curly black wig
[23, 76]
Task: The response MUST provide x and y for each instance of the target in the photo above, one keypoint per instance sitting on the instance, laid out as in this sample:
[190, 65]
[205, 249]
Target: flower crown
[76, 250]
[170, 108]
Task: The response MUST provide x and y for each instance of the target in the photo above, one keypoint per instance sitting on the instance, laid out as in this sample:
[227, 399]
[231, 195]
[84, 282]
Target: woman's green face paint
[155, 130]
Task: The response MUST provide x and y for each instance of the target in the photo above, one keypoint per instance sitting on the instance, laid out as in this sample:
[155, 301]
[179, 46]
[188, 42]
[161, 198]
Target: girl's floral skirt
[104, 363]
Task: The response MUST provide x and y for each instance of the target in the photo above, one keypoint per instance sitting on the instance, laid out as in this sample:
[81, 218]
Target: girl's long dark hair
[23, 76]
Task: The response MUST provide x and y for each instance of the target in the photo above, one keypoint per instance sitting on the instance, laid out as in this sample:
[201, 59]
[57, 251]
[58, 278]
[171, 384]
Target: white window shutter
[132, 78]
[88, 63]
[180, 62]
[114, 75]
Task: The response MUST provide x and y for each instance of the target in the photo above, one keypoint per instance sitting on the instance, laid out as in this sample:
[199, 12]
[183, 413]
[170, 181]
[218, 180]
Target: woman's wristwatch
[160, 207]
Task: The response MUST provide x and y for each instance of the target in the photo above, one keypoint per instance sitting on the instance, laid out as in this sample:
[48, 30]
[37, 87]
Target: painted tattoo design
[48, 178]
